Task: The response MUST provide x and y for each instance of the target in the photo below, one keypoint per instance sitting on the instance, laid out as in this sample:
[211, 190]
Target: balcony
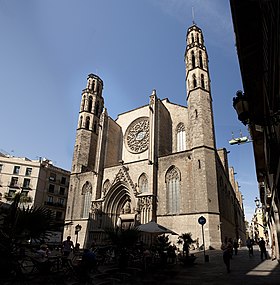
[27, 186]
[24, 198]
[14, 185]
[9, 196]
[54, 204]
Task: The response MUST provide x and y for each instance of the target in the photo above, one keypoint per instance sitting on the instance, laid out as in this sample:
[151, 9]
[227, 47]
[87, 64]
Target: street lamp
[240, 104]
[77, 229]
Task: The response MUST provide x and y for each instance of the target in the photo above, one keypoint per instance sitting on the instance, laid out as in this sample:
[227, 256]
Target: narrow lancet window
[181, 137]
[89, 104]
[173, 178]
[202, 81]
[81, 122]
[200, 59]
[193, 59]
[87, 123]
[194, 81]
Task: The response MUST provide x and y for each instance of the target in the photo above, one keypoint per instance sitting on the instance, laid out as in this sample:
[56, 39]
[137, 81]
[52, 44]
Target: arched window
[97, 88]
[173, 178]
[193, 59]
[143, 183]
[95, 127]
[92, 85]
[202, 81]
[89, 104]
[87, 193]
[197, 38]
[106, 186]
[96, 109]
[192, 38]
[81, 122]
[200, 59]
[83, 103]
[194, 81]
[87, 123]
[181, 137]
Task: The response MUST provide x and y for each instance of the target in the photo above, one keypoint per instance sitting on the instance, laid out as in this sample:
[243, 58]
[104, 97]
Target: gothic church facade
[157, 162]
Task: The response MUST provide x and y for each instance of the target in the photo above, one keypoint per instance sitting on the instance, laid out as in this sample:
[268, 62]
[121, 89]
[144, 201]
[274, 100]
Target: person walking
[67, 247]
[249, 244]
[235, 246]
[262, 248]
[226, 248]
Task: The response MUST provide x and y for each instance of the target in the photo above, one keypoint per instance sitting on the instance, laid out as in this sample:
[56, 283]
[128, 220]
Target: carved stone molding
[96, 207]
[145, 202]
[123, 176]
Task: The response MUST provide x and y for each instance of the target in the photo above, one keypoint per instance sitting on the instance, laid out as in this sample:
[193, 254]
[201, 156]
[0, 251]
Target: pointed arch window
[143, 183]
[92, 85]
[89, 104]
[193, 59]
[106, 186]
[197, 38]
[95, 127]
[87, 193]
[181, 137]
[83, 103]
[200, 59]
[192, 38]
[81, 122]
[202, 81]
[173, 178]
[87, 123]
[96, 109]
[194, 81]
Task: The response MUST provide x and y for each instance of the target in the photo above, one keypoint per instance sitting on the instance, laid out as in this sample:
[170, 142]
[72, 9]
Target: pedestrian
[42, 258]
[230, 246]
[262, 248]
[226, 255]
[235, 246]
[273, 256]
[67, 247]
[249, 244]
[239, 242]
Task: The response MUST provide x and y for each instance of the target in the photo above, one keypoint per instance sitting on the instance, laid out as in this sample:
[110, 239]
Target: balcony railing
[54, 204]
[14, 185]
[23, 198]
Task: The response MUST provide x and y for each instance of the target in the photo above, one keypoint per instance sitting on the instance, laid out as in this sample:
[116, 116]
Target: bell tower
[199, 98]
[91, 108]
[201, 137]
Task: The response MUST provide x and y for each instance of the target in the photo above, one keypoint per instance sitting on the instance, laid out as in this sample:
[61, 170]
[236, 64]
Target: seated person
[41, 258]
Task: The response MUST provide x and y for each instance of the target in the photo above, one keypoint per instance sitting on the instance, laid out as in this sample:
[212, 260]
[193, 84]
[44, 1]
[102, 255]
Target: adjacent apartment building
[39, 182]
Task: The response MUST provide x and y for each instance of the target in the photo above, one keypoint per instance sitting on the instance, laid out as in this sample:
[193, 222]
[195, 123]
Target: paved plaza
[244, 270]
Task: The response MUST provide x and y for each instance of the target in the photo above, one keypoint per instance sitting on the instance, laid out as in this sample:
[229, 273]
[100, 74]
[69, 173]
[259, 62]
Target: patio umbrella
[154, 228]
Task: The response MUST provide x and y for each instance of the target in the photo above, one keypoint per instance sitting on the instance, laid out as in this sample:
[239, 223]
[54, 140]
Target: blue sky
[49, 47]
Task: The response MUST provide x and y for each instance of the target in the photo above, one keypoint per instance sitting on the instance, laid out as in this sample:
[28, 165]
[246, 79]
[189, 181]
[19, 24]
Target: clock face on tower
[137, 135]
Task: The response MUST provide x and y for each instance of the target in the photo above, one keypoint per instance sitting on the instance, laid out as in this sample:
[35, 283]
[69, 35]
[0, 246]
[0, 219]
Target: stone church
[157, 162]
